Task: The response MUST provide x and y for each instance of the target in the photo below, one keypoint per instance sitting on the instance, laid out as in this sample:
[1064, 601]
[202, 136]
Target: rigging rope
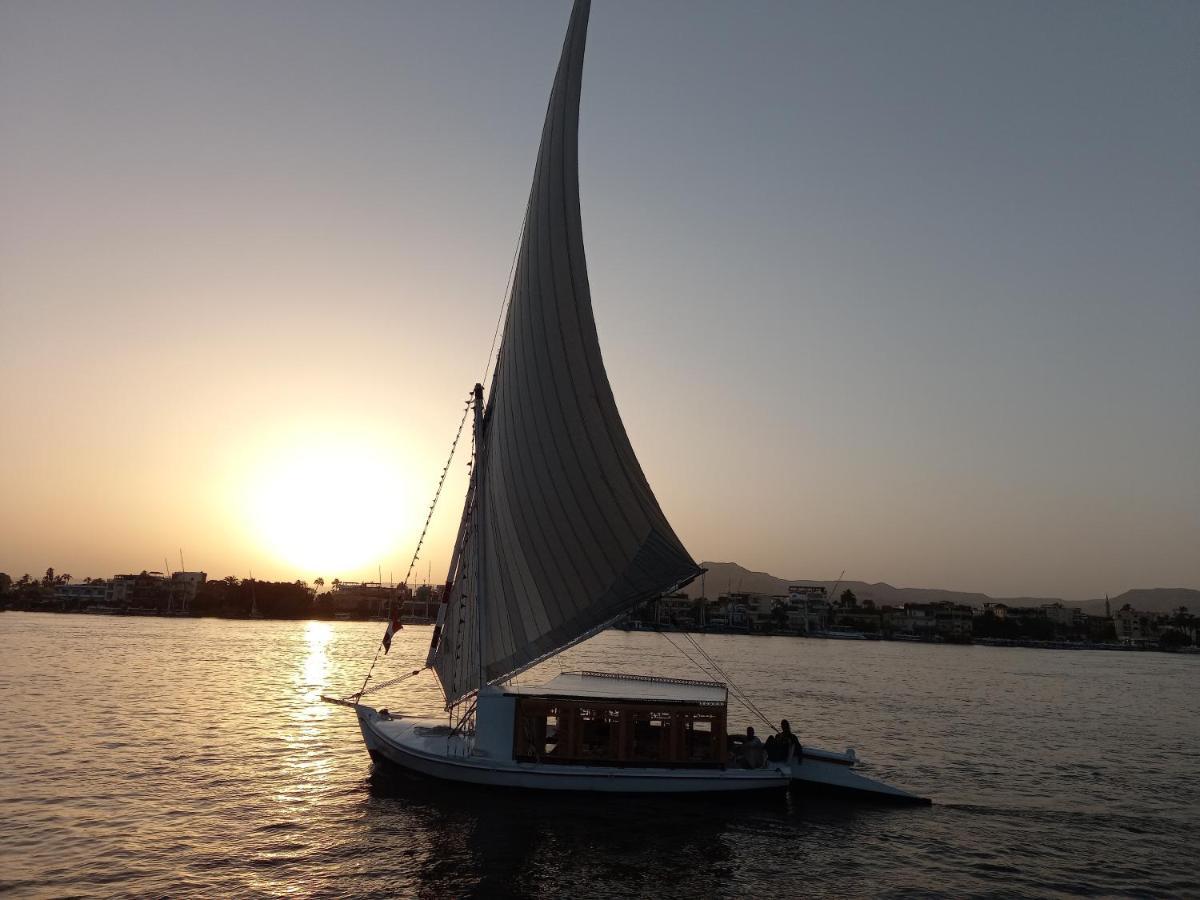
[741, 694]
[466, 571]
[384, 684]
[691, 659]
[421, 540]
[504, 297]
[734, 689]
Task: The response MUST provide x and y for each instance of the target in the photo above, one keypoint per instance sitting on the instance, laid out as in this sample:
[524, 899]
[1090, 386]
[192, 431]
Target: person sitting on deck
[753, 756]
[777, 748]
[790, 741]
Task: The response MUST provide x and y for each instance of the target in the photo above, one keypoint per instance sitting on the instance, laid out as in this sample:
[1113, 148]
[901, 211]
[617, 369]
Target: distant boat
[560, 537]
[254, 613]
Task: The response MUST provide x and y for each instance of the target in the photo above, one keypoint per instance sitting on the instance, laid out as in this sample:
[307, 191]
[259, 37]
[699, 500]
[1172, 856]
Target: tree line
[229, 596]
[29, 586]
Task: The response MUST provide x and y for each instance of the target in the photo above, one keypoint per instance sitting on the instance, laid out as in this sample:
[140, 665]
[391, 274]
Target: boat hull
[428, 748]
[400, 741]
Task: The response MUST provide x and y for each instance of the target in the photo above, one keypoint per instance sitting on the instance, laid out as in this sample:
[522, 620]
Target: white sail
[563, 533]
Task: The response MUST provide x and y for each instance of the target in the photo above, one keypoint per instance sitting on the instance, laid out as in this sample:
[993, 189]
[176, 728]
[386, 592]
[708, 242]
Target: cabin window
[651, 737]
[534, 723]
[699, 744]
[599, 733]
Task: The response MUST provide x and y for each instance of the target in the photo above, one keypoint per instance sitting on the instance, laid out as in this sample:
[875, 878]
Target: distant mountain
[723, 577]
[1155, 600]
[727, 576]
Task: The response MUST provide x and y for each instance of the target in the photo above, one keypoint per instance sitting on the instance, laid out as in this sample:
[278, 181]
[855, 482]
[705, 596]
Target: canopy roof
[617, 687]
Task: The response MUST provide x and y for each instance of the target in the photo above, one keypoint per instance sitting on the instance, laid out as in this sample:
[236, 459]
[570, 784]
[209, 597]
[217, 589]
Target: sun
[329, 507]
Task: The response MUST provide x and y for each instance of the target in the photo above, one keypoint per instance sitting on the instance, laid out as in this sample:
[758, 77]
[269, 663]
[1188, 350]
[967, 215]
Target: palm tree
[1184, 622]
[319, 583]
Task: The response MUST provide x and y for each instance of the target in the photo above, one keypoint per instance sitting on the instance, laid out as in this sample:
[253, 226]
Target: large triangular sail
[561, 531]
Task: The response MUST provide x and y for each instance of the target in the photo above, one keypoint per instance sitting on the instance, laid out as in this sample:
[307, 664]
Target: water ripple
[194, 759]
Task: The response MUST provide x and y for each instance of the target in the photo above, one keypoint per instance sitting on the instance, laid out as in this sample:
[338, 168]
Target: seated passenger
[753, 754]
[777, 749]
[791, 742]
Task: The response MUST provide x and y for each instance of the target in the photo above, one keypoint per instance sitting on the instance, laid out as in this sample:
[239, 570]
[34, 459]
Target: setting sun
[331, 507]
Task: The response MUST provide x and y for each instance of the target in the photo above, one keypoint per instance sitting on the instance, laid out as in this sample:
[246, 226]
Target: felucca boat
[560, 535]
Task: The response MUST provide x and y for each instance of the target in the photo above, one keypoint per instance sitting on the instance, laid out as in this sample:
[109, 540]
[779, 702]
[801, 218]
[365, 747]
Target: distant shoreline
[155, 614]
[1002, 643]
[1024, 643]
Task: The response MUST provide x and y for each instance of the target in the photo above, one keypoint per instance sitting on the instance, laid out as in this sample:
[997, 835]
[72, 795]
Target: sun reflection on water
[306, 756]
[314, 672]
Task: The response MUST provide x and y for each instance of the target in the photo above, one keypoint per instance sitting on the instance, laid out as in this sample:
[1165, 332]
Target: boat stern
[822, 771]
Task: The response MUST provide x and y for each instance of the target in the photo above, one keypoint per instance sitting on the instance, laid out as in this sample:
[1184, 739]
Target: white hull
[426, 747]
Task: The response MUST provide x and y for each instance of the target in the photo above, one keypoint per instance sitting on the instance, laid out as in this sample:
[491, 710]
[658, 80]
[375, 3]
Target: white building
[1134, 627]
[808, 607]
[1062, 616]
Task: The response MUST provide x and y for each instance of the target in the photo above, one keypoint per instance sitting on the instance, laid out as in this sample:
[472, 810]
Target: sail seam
[568, 529]
[581, 294]
[541, 545]
[601, 387]
[580, 304]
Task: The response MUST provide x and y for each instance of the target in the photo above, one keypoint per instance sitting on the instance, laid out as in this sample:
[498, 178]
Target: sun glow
[329, 507]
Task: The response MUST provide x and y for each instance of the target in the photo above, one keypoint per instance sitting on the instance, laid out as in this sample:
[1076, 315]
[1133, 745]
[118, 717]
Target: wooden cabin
[597, 718]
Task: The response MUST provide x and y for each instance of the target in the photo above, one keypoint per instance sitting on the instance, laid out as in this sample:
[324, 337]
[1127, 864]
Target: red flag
[393, 626]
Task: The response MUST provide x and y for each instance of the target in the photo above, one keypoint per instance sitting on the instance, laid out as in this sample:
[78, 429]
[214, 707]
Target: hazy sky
[910, 289]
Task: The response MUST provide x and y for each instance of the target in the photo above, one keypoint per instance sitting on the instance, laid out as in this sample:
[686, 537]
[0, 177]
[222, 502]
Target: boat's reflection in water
[506, 842]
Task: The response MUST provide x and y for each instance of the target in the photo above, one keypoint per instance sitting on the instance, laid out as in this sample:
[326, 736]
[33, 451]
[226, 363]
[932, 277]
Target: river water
[143, 756]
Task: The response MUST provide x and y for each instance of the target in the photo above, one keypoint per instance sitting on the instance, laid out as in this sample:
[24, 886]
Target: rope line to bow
[420, 543]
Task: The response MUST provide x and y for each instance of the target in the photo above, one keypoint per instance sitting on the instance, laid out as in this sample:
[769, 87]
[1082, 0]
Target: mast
[478, 537]
[454, 571]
